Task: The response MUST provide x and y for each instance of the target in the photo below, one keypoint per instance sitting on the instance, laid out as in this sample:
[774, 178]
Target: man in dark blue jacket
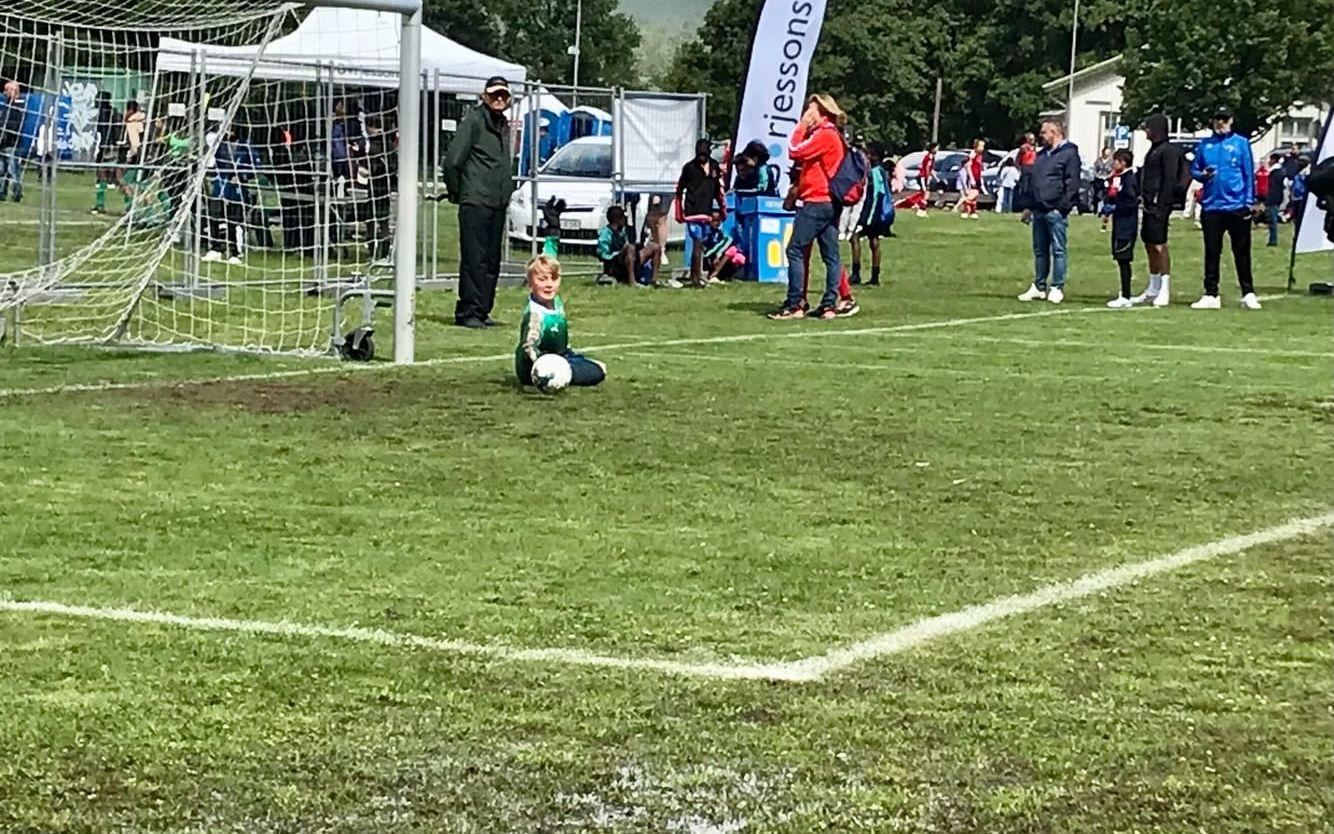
[11, 136]
[1051, 192]
[1225, 166]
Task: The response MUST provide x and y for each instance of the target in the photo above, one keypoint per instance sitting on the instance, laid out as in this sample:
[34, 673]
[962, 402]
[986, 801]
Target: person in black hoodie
[1050, 190]
[1164, 179]
[1123, 197]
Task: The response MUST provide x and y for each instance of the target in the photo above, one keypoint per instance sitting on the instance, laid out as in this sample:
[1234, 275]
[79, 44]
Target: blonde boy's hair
[542, 266]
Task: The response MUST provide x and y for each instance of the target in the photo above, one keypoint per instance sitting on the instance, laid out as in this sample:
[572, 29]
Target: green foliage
[537, 33]
[1258, 56]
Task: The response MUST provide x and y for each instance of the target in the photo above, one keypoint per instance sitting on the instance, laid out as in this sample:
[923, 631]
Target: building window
[1298, 131]
[1108, 122]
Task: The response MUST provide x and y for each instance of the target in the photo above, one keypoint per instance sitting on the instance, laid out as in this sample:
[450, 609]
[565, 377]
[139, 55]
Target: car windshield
[581, 160]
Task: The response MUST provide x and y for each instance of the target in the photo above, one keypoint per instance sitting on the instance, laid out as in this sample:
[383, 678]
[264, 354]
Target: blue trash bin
[764, 228]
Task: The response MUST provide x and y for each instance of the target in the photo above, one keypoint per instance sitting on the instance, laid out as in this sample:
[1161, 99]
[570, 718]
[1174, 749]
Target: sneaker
[1163, 298]
[1056, 295]
[98, 211]
[713, 280]
[921, 212]
[212, 257]
[847, 308]
[671, 284]
[234, 261]
[490, 322]
[1207, 302]
[1142, 298]
[1033, 294]
[785, 313]
[1250, 302]
[472, 323]
[1120, 303]
[874, 282]
[605, 280]
[823, 313]
[854, 278]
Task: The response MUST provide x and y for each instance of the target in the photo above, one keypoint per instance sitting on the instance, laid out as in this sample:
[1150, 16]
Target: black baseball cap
[1222, 111]
[495, 85]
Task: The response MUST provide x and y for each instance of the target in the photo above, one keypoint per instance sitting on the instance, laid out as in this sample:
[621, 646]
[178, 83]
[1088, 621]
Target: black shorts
[616, 269]
[1153, 227]
[873, 230]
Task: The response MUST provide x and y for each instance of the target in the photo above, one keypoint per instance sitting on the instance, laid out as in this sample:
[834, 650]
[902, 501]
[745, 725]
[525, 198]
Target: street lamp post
[574, 50]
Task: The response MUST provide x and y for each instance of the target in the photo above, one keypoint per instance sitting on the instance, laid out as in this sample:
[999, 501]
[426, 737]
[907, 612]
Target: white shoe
[1056, 295]
[671, 284]
[921, 212]
[1121, 303]
[1250, 302]
[234, 261]
[1033, 294]
[712, 280]
[1142, 298]
[211, 257]
[1207, 302]
[1163, 298]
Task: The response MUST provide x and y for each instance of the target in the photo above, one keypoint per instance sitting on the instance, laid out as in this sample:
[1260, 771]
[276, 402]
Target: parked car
[580, 173]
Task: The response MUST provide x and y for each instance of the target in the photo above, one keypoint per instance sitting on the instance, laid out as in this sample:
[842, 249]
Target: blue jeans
[815, 223]
[1271, 213]
[1049, 254]
[1006, 200]
[11, 173]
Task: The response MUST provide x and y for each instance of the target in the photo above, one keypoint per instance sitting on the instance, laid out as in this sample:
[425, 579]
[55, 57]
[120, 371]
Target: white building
[1095, 118]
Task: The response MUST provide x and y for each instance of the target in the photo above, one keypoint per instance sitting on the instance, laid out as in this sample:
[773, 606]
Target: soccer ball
[551, 372]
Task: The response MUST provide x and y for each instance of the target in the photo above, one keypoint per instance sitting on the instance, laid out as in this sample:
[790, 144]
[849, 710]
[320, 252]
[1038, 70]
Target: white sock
[1155, 281]
[1164, 280]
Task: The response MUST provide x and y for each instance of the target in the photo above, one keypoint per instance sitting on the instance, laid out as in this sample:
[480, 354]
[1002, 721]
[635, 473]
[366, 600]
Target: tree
[538, 33]
[1186, 57]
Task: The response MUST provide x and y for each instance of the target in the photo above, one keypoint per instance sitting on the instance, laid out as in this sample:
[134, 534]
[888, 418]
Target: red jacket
[818, 156]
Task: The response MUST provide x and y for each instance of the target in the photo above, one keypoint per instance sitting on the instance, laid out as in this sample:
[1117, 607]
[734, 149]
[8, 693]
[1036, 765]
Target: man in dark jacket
[1224, 165]
[1052, 188]
[1164, 179]
[479, 177]
[11, 130]
[1278, 184]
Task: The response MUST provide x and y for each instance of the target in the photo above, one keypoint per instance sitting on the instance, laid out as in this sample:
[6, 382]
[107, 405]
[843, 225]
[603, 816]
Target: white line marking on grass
[946, 625]
[808, 669]
[570, 657]
[1058, 342]
[777, 333]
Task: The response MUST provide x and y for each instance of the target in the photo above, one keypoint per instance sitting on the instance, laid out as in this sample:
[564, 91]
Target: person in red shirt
[1028, 152]
[926, 172]
[975, 163]
[817, 149]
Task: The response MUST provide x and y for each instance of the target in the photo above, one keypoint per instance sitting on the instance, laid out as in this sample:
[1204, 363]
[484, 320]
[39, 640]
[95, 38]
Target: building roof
[1064, 80]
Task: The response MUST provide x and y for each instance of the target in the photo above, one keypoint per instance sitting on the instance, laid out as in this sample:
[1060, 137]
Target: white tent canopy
[352, 46]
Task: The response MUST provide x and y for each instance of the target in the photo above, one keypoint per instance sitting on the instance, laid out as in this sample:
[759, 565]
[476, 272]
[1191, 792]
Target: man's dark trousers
[1237, 226]
[481, 235]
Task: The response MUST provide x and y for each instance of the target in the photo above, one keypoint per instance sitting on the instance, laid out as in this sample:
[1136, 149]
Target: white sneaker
[921, 212]
[1250, 302]
[1121, 303]
[671, 284]
[1142, 298]
[1056, 295]
[234, 261]
[212, 257]
[1207, 302]
[1033, 294]
[1163, 298]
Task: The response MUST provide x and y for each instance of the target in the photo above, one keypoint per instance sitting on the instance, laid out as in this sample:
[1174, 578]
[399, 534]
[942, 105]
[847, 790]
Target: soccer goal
[196, 177]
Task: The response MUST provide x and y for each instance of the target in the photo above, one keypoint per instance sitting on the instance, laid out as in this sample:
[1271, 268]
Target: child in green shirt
[545, 330]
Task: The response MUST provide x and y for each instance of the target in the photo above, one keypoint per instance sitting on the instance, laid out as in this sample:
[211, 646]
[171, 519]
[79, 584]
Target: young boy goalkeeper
[545, 330]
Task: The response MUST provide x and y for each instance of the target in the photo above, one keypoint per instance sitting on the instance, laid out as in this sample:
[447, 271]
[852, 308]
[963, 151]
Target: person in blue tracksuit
[1225, 168]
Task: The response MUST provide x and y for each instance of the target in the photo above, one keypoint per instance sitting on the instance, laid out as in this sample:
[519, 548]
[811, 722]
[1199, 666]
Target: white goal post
[201, 162]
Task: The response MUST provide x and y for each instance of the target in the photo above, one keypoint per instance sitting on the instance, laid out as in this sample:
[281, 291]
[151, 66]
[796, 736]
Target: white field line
[778, 332]
[946, 625]
[808, 669]
[1057, 342]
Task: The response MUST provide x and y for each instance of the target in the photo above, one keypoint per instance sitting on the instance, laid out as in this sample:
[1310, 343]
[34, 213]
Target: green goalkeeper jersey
[543, 330]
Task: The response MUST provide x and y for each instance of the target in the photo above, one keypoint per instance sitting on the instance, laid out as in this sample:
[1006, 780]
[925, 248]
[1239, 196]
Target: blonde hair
[543, 266]
[829, 107]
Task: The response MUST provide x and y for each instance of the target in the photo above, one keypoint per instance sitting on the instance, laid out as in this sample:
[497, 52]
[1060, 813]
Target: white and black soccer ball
[551, 373]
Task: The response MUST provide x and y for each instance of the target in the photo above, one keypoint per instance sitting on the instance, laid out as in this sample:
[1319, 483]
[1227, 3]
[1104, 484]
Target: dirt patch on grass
[351, 395]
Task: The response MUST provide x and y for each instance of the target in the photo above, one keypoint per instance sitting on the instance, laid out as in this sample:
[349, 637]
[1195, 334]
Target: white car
[580, 173]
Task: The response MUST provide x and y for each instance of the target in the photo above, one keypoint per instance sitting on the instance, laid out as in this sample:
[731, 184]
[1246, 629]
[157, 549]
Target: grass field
[699, 598]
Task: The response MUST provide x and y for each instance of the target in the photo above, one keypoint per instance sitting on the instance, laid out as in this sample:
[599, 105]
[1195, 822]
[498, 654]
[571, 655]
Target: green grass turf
[762, 500]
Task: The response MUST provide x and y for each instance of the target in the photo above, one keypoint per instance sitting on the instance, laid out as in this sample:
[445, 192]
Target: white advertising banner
[1311, 231]
[774, 91]
[655, 137]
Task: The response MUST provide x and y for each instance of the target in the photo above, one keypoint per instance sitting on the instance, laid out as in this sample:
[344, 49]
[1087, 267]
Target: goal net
[191, 176]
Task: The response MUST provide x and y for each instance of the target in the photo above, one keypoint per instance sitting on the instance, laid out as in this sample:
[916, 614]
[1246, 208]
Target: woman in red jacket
[817, 150]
